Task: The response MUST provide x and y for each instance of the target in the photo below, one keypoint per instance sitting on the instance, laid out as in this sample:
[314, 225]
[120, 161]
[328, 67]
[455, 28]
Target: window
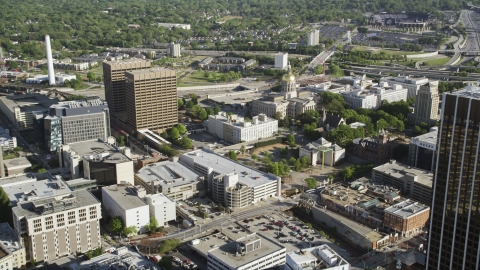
[82, 213]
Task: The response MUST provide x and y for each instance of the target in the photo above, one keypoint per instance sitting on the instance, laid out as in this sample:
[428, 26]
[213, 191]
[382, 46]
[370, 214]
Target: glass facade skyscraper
[454, 240]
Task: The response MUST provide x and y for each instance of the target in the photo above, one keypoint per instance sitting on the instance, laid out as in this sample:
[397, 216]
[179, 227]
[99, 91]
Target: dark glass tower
[455, 217]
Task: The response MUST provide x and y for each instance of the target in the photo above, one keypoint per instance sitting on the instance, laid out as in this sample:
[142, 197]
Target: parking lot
[389, 39]
[204, 139]
[333, 32]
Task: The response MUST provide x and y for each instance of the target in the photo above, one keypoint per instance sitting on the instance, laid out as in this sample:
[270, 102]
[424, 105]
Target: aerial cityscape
[238, 135]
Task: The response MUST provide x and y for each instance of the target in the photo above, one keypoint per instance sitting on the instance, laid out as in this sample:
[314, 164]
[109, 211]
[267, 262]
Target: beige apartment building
[151, 99]
[57, 226]
[114, 78]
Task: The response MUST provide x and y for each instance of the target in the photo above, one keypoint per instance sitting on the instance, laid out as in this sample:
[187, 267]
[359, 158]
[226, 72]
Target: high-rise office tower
[455, 217]
[114, 78]
[426, 104]
[151, 99]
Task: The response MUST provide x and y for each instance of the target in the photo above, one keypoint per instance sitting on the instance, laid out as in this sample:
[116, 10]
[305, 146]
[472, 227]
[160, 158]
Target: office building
[114, 80]
[373, 96]
[161, 207]
[281, 60]
[235, 129]
[322, 151]
[58, 225]
[171, 178]
[173, 49]
[7, 142]
[454, 236]
[97, 160]
[18, 109]
[252, 252]
[10, 243]
[411, 83]
[321, 257]
[151, 99]
[313, 37]
[73, 121]
[407, 217]
[414, 183]
[232, 183]
[125, 201]
[376, 150]
[422, 150]
[426, 104]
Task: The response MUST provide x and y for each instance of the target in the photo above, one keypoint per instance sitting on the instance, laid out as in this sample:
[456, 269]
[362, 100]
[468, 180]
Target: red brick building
[376, 150]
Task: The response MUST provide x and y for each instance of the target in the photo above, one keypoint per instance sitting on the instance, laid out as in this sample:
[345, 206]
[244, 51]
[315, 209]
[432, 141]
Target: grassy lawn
[198, 77]
[9, 155]
[437, 62]
[389, 52]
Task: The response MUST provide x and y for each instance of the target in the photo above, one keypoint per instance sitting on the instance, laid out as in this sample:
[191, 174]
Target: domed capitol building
[289, 102]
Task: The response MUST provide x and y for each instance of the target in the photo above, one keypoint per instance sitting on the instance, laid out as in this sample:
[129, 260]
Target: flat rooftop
[29, 102]
[427, 138]
[149, 70]
[76, 199]
[168, 174]
[8, 237]
[96, 150]
[224, 165]
[124, 196]
[398, 170]
[407, 209]
[17, 163]
[18, 179]
[361, 229]
[470, 91]
[29, 190]
[227, 252]
[311, 255]
[115, 261]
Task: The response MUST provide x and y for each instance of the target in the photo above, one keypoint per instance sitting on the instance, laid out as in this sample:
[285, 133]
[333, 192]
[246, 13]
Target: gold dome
[289, 77]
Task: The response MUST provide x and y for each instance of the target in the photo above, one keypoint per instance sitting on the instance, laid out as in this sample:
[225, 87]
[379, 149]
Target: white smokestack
[51, 75]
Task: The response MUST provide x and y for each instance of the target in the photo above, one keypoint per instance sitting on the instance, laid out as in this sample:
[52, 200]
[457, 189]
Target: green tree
[180, 103]
[190, 104]
[166, 262]
[169, 245]
[291, 140]
[186, 143]
[121, 141]
[243, 149]
[115, 225]
[91, 76]
[216, 110]
[209, 111]
[254, 157]
[181, 128]
[174, 133]
[13, 64]
[232, 154]
[347, 172]
[152, 225]
[311, 183]
[203, 114]
[330, 178]
[5, 208]
[129, 231]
